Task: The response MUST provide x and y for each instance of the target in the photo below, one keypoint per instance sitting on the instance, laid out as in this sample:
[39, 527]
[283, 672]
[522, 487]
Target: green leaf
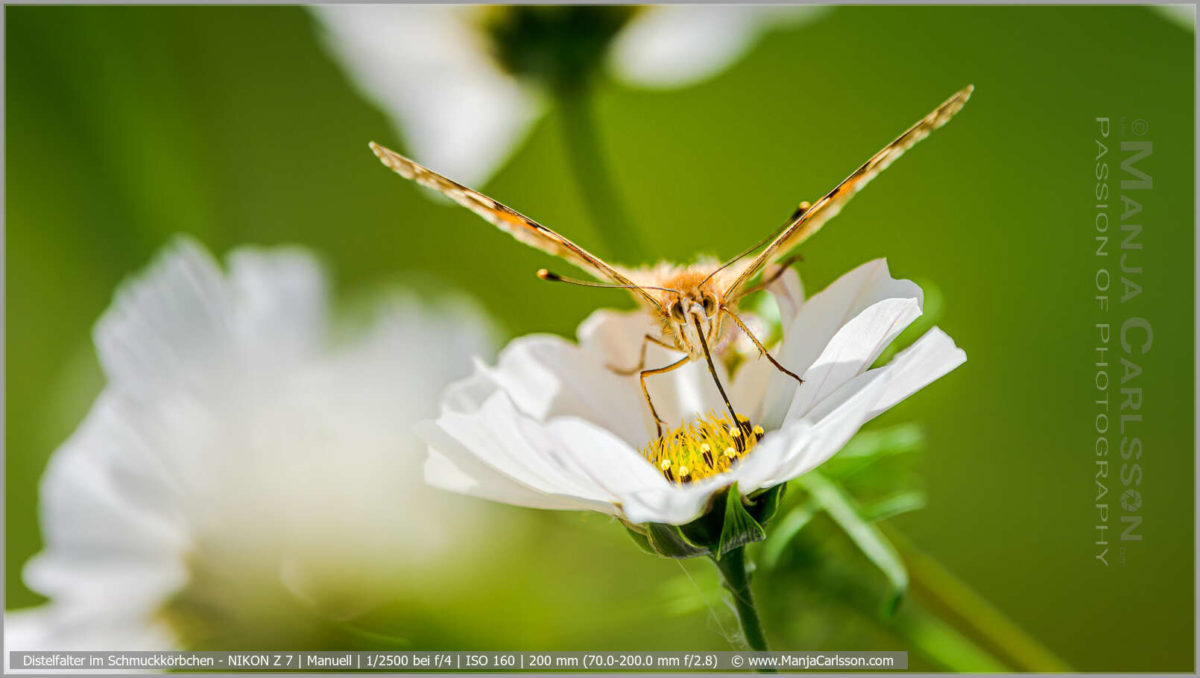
[740, 527]
[374, 639]
[783, 533]
[869, 447]
[885, 508]
[892, 440]
[842, 509]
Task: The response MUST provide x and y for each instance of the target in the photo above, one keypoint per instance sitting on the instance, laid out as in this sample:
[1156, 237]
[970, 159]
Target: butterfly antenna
[554, 277]
[800, 210]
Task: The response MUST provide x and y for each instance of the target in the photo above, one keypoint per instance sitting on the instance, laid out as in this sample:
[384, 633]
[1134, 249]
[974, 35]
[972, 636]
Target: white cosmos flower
[431, 69]
[240, 455]
[552, 426]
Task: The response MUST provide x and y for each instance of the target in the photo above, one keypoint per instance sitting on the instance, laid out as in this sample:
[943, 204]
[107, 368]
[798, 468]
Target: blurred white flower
[241, 456]
[435, 68]
[1181, 15]
[552, 426]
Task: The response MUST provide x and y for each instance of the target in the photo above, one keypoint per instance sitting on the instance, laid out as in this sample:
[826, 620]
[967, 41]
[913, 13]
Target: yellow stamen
[685, 454]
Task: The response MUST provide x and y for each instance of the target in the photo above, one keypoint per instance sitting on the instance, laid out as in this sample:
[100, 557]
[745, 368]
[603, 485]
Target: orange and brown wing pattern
[505, 218]
[832, 202]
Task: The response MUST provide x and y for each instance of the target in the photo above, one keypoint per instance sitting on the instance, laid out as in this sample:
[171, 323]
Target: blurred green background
[127, 125]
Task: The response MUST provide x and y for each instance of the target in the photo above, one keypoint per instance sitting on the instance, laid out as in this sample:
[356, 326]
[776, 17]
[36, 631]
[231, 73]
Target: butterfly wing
[831, 203]
[507, 219]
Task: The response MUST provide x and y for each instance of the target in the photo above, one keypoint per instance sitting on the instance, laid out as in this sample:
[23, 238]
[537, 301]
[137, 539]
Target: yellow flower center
[702, 448]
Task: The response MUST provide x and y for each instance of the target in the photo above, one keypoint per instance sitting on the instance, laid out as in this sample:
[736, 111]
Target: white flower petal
[686, 392]
[837, 334]
[611, 464]
[511, 444]
[852, 350]
[430, 71]
[930, 358]
[181, 323]
[836, 418]
[389, 378]
[762, 467]
[547, 377]
[788, 292]
[748, 388]
[672, 504]
[110, 520]
[677, 45]
[170, 325]
[1183, 16]
[616, 339]
[454, 467]
[279, 303]
[55, 627]
[826, 429]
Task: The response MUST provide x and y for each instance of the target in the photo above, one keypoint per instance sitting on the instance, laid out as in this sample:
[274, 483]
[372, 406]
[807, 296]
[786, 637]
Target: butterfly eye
[677, 312]
[710, 305]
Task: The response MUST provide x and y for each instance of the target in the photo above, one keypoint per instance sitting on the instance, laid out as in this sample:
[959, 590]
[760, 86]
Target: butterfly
[691, 303]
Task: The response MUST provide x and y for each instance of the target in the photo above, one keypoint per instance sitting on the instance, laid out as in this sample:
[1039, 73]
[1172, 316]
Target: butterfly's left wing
[509, 220]
[733, 282]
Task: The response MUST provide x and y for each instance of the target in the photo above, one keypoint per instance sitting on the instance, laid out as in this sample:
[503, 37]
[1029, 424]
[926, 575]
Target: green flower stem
[592, 174]
[735, 579]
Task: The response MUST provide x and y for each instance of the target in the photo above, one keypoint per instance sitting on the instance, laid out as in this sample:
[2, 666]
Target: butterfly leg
[712, 369]
[781, 267]
[775, 273]
[761, 349]
[642, 359]
[658, 422]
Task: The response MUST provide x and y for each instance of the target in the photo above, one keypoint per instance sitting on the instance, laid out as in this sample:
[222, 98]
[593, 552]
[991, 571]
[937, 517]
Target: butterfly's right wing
[508, 220]
[807, 221]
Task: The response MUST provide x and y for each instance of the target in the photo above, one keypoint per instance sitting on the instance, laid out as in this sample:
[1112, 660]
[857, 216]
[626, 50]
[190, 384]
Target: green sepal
[669, 541]
[733, 521]
[706, 530]
[765, 504]
[740, 527]
[641, 539]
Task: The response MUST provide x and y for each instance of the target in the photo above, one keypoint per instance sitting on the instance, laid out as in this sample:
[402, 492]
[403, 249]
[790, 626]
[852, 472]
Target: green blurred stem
[734, 578]
[950, 598]
[592, 173]
[943, 644]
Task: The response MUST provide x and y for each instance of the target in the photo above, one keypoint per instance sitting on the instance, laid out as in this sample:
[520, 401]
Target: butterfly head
[691, 314]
